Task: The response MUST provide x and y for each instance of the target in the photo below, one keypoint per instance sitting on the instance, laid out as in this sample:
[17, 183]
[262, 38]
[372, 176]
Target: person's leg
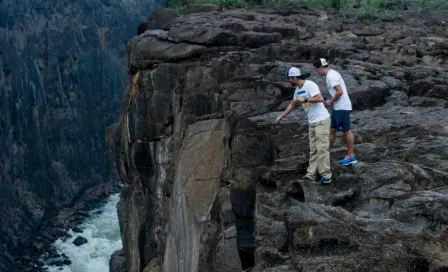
[333, 127]
[332, 137]
[312, 167]
[349, 140]
[323, 154]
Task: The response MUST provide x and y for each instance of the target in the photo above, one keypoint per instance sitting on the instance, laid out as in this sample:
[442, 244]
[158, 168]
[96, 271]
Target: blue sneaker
[325, 180]
[348, 160]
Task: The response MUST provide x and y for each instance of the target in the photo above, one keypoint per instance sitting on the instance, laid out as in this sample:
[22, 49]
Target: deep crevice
[243, 206]
[296, 192]
[418, 265]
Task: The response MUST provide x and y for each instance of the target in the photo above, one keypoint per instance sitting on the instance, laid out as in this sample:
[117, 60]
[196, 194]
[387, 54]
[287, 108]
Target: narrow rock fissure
[244, 222]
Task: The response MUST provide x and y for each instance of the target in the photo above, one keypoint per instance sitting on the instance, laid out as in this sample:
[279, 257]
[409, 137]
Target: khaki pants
[319, 133]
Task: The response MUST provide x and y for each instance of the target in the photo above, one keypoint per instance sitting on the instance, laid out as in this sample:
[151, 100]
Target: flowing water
[102, 232]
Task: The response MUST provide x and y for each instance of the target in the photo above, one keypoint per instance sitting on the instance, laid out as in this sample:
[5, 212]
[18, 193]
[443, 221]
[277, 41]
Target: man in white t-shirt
[340, 117]
[307, 93]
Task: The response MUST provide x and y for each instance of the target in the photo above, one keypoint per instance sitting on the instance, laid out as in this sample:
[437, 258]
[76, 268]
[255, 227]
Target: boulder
[79, 241]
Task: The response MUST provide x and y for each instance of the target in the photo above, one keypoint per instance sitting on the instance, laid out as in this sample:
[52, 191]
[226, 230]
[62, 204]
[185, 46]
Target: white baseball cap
[292, 72]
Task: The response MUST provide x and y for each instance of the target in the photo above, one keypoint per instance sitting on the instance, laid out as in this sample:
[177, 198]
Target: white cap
[292, 72]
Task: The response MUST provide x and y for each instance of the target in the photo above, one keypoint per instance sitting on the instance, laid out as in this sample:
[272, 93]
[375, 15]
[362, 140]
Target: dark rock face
[205, 168]
[116, 262]
[61, 72]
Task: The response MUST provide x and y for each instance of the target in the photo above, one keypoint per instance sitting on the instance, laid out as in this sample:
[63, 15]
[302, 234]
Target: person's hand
[301, 99]
[329, 102]
[278, 119]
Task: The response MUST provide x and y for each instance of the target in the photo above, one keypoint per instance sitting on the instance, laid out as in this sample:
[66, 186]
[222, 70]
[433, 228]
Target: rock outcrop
[209, 180]
[60, 82]
[116, 262]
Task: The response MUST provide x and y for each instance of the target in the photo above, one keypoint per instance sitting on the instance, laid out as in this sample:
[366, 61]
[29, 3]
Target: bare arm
[336, 96]
[316, 99]
[290, 107]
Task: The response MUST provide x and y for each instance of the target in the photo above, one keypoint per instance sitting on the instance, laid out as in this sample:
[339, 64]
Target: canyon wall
[62, 68]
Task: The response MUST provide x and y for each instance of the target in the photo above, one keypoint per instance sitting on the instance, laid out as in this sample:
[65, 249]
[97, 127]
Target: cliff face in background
[62, 67]
[208, 178]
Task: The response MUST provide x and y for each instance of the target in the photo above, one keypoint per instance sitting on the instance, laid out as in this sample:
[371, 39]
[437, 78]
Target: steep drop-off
[208, 179]
[61, 73]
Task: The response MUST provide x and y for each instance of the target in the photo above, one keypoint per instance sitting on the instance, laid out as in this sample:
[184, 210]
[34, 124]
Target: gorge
[61, 74]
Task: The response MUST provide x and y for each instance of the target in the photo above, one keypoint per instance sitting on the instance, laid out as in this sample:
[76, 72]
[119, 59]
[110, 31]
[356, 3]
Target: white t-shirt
[343, 102]
[316, 111]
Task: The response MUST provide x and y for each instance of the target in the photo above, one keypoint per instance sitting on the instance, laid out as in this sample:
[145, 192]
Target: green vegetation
[428, 5]
[365, 9]
[381, 4]
[365, 12]
[179, 6]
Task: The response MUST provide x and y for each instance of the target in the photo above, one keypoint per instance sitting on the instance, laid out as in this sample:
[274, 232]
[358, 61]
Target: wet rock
[79, 241]
[55, 255]
[57, 263]
[77, 230]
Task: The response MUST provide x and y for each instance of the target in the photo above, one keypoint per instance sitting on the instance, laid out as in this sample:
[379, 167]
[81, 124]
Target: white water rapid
[102, 232]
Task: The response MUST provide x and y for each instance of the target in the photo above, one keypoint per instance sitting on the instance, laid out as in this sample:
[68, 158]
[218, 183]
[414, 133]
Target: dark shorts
[340, 120]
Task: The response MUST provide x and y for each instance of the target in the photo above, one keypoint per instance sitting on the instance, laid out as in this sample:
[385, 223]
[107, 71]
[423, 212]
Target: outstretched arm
[290, 107]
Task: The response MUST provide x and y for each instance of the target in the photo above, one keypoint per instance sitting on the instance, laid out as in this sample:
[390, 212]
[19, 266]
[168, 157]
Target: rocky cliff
[61, 72]
[209, 180]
